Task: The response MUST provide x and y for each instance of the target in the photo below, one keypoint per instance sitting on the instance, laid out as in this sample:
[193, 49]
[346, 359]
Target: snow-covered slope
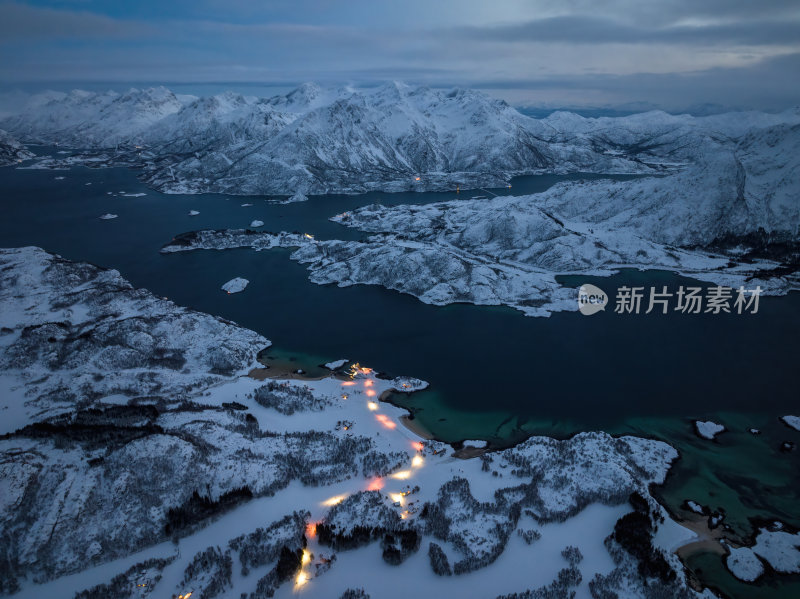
[11, 151]
[214, 124]
[74, 332]
[199, 480]
[727, 190]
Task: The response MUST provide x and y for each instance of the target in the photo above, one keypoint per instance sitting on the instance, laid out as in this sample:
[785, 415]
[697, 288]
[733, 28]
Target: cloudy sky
[671, 53]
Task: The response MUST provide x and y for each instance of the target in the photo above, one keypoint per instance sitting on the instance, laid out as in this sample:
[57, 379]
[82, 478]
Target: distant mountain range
[346, 140]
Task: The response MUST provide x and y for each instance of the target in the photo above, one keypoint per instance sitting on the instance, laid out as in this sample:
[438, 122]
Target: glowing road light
[301, 579]
[371, 393]
[306, 557]
[417, 461]
[385, 421]
[417, 445]
[311, 530]
[368, 383]
[376, 484]
[372, 405]
[397, 498]
[348, 384]
[402, 475]
[334, 500]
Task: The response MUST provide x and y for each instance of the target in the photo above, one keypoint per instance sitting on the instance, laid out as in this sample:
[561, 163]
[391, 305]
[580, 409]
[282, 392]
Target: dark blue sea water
[493, 372]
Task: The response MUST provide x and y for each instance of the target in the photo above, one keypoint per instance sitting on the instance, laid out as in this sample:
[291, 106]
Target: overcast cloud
[672, 53]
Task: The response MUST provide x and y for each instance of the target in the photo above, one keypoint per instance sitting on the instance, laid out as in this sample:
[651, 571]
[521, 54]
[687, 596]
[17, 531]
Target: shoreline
[414, 427]
[408, 420]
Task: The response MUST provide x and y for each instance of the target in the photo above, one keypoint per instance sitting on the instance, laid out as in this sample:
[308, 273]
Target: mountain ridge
[395, 137]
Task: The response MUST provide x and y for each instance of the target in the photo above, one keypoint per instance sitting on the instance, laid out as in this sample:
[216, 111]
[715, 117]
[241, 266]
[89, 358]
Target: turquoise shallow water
[494, 373]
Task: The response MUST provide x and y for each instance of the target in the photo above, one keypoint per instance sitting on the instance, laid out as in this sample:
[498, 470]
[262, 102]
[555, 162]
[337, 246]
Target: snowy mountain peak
[393, 89]
[305, 97]
[306, 92]
[158, 100]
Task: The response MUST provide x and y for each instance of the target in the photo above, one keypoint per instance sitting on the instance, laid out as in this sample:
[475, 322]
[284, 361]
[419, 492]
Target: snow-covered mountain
[342, 139]
[393, 137]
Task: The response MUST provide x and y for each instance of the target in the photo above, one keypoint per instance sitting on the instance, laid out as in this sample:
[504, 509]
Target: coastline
[408, 419]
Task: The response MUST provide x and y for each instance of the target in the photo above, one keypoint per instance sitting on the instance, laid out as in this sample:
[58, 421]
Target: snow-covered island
[336, 364]
[792, 421]
[707, 429]
[235, 285]
[779, 549]
[136, 451]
